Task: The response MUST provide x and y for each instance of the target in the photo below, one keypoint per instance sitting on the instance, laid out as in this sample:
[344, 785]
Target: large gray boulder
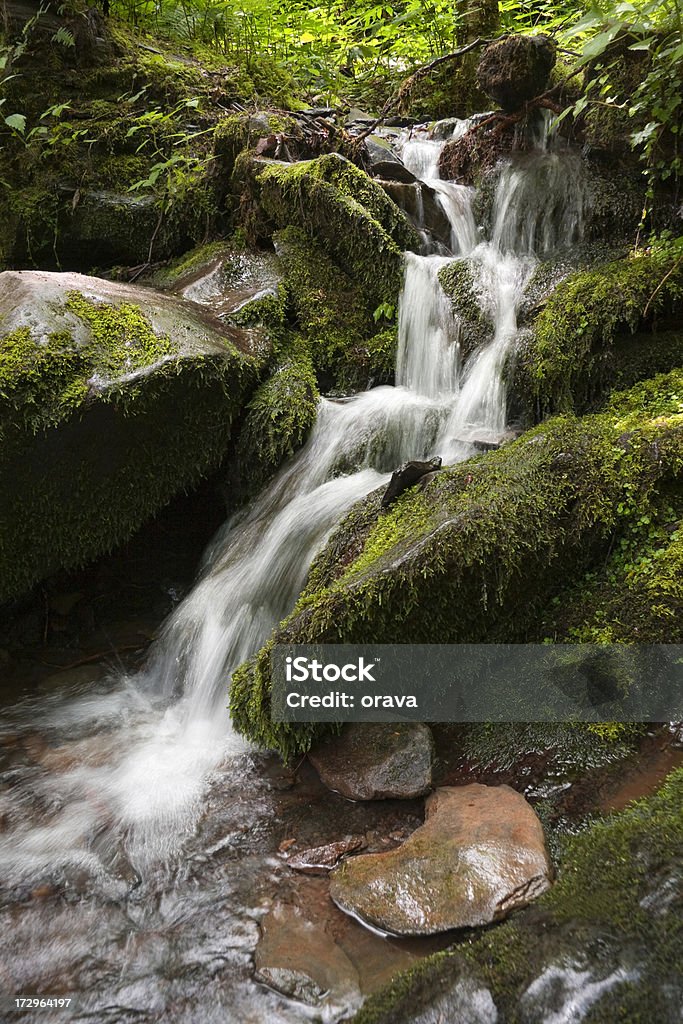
[114, 398]
[479, 855]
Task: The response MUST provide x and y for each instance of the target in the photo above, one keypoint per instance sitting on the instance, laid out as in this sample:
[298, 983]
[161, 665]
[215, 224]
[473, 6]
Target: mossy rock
[114, 399]
[447, 562]
[586, 323]
[608, 936]
[278, 419]
[476, 324]
[344, 210]
[350, 347]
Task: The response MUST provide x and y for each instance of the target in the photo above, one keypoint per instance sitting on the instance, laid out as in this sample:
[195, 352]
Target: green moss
[333, 312]
[447, 562]
[278, 419]
[571, 360]
[457, 280]
[609, 908]
[339, 206]
[98, 433]
[123, 339]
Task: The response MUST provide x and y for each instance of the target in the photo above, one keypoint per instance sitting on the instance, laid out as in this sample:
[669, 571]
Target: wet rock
[297, 957]
[390, 171]
[516, 69]
[377, 761]
[321, 859]
[232, 283]
[379, 150]
[130, 398]
[81, 676]
[480, 855]
[406, 476]
[421, 205]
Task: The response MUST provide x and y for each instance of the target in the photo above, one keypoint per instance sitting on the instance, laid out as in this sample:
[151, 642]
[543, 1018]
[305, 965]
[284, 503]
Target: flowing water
[117, 797]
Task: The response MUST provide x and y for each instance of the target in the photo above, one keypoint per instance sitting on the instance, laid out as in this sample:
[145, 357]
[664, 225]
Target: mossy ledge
[125, 397]
[612, 907]
[333, 201]
[448, 561]
[586, 326]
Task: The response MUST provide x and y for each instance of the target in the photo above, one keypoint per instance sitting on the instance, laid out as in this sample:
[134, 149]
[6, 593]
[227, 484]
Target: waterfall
[168, 729]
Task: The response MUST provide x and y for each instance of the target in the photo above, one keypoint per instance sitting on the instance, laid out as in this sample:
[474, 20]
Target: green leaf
[16, 122]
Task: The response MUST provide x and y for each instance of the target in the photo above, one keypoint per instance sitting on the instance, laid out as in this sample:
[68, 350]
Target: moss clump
[122, 337]
[447, 562]
[457, 280]
[337, 204]
[103, 421]
[614, 906]
[348, 347]
[636, 596]
[278, 419]
[575, 349]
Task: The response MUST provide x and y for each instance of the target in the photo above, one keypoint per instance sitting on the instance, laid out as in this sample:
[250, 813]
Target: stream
[140, 834]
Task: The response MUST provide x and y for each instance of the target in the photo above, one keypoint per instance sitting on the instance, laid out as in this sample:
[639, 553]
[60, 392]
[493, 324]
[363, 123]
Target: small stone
[479, 855]
[320, 859]
[286, 844]
[377, 761]
[406, 477]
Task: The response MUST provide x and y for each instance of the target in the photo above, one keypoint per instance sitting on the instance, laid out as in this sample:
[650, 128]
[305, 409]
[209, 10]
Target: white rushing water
[163, 733]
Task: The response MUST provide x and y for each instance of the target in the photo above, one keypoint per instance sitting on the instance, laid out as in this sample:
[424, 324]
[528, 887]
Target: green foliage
[617, 34]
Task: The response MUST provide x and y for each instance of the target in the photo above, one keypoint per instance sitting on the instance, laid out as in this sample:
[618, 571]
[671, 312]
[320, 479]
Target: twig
[661, 284]
[94, 657]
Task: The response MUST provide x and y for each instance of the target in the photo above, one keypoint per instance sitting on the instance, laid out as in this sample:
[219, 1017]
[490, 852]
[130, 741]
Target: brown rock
[302, 960]
[377, 761]
[479, 855]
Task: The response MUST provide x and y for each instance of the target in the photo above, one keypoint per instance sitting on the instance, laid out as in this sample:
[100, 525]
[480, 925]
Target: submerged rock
[297, 957]
[115, 398]
[479, 855]
[377, 761]
[516, 69]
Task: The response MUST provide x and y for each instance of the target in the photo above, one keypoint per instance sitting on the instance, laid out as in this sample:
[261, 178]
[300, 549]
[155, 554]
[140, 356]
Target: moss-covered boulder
[458, 281]
[347, 212]
[278, 419]
[607, 937]
[585, 341]
[448, 561]
[114, 398]
[516, 69]
[352, 341]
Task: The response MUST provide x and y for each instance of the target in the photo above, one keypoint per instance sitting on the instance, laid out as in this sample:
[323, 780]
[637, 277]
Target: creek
[140, 839]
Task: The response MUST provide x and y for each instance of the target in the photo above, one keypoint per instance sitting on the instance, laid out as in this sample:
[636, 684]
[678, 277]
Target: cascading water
[112, 822]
